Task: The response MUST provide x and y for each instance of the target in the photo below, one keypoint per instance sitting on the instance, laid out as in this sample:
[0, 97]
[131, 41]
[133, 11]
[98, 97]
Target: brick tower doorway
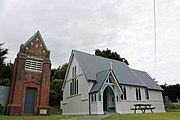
[30, 101]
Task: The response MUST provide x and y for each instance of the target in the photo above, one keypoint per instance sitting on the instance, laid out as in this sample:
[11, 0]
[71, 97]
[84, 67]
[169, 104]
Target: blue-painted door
[105, 100]
[30, 101]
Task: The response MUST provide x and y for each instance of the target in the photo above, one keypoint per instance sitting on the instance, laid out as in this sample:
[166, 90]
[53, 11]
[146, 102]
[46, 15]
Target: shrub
[172, 106]
[1, 110]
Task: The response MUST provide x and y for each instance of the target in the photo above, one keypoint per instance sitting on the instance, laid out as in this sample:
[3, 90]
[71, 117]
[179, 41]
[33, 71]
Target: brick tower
[30, 79]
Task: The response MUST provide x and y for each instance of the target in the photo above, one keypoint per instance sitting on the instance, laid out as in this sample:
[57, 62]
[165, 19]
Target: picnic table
[143, 107]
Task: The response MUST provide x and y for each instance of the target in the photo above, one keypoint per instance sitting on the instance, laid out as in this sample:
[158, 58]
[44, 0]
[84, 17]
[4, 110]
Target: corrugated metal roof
[150, 83]
[100, 78]
[92, 64]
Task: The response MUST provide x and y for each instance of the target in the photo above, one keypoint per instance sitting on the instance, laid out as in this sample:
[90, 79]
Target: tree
[172, 91]
[56, 94]
[3, 53]
[5, 69]
[6, 74]
[52, 73]
[60, 72]
[109, 54]
[1, 110]
[57, 76]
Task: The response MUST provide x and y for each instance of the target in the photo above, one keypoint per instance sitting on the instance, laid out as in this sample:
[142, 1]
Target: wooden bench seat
[143, 109]
[147, 108]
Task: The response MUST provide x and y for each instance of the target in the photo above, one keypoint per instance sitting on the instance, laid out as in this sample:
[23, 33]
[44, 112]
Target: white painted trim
[69, 64]
[73, 95]
[65, 103]
[107, 77]
[85, 99]
[115, 80]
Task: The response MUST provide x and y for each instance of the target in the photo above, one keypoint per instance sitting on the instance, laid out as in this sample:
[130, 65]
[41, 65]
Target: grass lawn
[175, 115]
[55, 114]
[51, 117]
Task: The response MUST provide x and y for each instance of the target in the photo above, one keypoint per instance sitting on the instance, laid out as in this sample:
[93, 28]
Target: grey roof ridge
[99, 56]
[138, 70]
[144, 85]
[93, 56]
[103, 81]
[138, 77]
[33, 37]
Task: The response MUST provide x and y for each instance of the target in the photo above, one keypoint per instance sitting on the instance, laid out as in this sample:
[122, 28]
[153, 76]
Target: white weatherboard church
[95, 85]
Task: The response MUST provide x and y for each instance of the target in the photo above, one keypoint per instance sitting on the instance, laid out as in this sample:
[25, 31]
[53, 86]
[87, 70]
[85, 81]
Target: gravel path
[97, 117]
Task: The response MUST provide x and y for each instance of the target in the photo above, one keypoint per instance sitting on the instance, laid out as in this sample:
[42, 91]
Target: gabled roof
[92, 64]
[100, 78]
[150, 83]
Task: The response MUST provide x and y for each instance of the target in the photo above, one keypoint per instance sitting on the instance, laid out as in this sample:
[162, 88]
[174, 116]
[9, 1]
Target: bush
[1, 110]
[4, 81]
[55, 111]
[55, 92]
[172, 106]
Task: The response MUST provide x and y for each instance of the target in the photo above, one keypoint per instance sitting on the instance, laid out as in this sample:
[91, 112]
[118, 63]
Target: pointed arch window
[138, 94]
[74, 83]
[73, 72]
[76, 86]
[94, 97]
[70, 88]
[117, 97]
[123, 96]
[147, 93]
[99, 96]
[137, 98]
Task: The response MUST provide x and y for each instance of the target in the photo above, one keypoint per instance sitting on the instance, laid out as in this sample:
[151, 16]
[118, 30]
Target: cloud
[124, 26]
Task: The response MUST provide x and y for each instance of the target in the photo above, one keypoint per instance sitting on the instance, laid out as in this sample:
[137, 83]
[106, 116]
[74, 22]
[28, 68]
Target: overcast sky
[124, 26]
